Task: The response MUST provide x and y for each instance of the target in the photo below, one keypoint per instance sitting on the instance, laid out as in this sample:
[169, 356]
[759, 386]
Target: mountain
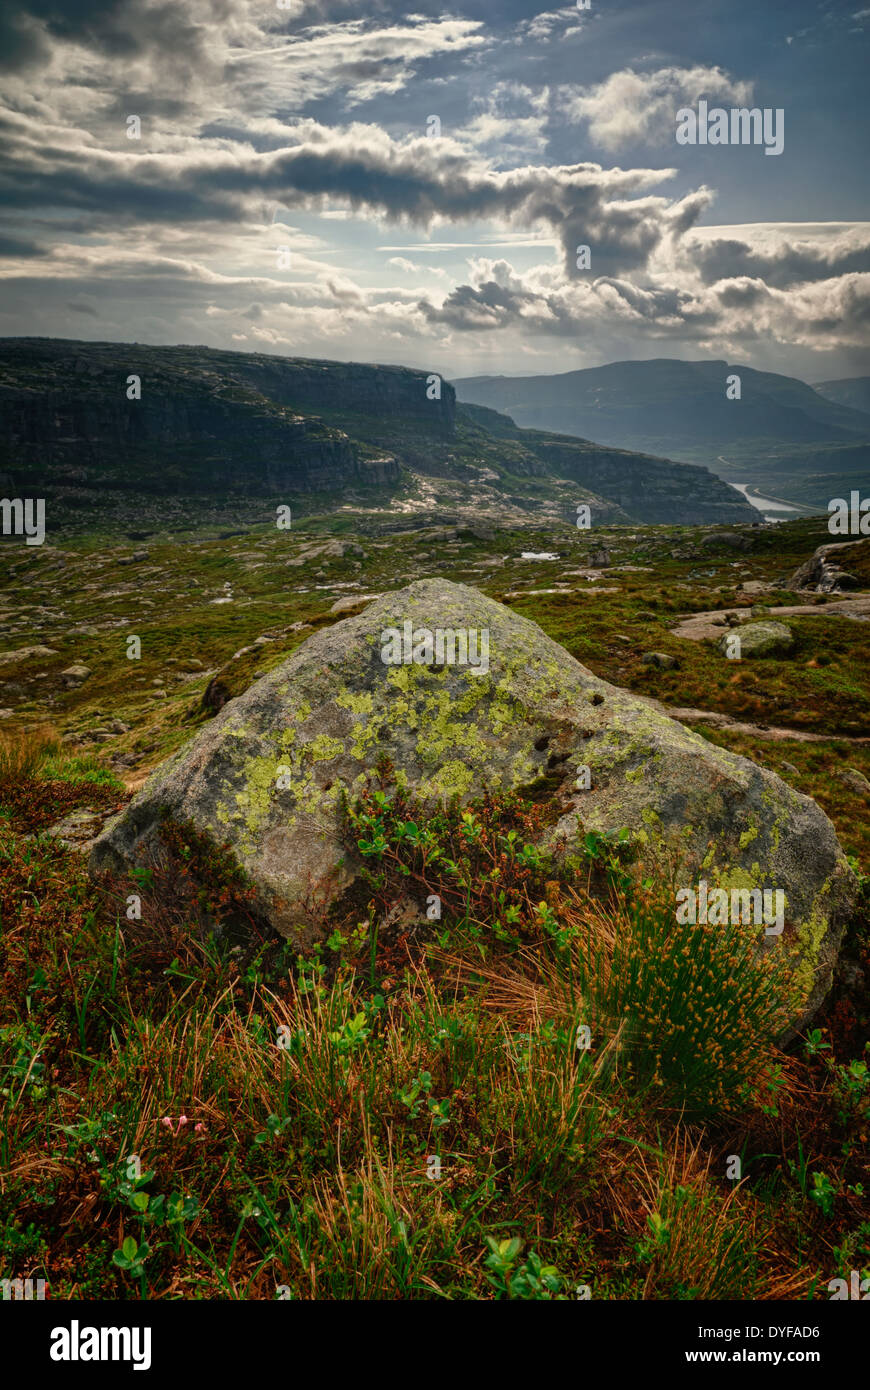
[666, 404]
[853, 391]
[213, 430]
[781, 431]
[645, 487]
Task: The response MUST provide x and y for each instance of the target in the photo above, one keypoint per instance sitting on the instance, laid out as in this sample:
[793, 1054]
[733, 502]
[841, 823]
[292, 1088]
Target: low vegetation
[542, 1090]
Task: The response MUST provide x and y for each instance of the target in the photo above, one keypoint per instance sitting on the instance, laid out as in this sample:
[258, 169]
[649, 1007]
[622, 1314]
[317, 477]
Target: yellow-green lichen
[323, 749]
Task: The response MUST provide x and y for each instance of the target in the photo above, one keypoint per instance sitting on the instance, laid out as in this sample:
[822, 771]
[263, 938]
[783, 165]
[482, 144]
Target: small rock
[26, 654]
[77, 830]
[851, 777]
[733, 540]
[662, 660]
[344, 605]
[75, 675]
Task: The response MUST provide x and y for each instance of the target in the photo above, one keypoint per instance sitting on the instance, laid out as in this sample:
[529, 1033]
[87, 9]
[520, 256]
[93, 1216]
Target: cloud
[632, 108]
[781, 258]
[417, 180]
[549, 25]
[263, 128]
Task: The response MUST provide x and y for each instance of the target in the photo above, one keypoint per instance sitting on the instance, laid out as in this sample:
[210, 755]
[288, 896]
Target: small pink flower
[199, 1129]
[182, 1120]
[167, 1120]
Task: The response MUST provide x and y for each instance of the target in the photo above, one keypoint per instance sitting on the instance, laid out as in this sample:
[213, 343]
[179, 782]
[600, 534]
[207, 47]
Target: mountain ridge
[216, 423]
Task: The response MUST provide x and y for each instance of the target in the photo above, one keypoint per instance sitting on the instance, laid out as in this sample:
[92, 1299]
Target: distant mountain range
[853, 391]
[228, 427]
[802, 442]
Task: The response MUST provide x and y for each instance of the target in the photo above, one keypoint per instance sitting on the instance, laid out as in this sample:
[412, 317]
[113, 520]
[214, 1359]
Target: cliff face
[347, 387]
[644, 486]
[205, 422]
[649, 488]
[228, 425]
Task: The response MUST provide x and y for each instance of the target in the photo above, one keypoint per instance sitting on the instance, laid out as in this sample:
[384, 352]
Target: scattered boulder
[733, 540]
[25, 654]
[600, 558]
[75, 675]
[344, 605]
[663, 661]
[851, 777]
[760, 639]
[325, 550]
[267, 776]
[78, 829]
[822, 572]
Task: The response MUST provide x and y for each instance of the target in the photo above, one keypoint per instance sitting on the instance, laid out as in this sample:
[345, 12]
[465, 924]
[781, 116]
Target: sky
[364, 182]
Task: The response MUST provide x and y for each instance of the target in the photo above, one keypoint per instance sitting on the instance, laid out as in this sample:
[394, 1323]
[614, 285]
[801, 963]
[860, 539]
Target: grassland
[196, 1112]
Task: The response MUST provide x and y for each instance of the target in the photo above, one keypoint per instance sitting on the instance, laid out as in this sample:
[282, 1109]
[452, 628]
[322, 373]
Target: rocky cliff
[643, 486]
[652, 489]
[86, 423]
[204, 421]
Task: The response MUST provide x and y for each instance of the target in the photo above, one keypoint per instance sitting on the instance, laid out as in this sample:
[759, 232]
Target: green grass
[310, 1169]
[191, 1115]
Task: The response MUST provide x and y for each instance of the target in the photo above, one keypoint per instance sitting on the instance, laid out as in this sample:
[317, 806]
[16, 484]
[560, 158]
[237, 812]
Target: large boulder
[267, 774]
[822, 572]
[760, 639]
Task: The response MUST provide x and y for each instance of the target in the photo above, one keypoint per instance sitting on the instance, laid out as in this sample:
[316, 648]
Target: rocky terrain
[450, 898]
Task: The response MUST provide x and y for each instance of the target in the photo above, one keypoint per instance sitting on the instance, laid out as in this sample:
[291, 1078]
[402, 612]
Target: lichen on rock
[267, 775]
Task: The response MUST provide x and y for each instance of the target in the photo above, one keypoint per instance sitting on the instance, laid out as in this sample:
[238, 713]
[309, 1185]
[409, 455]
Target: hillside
[853, 391]
[218, 434]
[781, 431]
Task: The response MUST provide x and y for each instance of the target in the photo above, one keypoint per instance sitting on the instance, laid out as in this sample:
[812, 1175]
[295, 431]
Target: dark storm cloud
[117, 28]
[15, 247]
[416, 181]
[566, 312]
[790, 262]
